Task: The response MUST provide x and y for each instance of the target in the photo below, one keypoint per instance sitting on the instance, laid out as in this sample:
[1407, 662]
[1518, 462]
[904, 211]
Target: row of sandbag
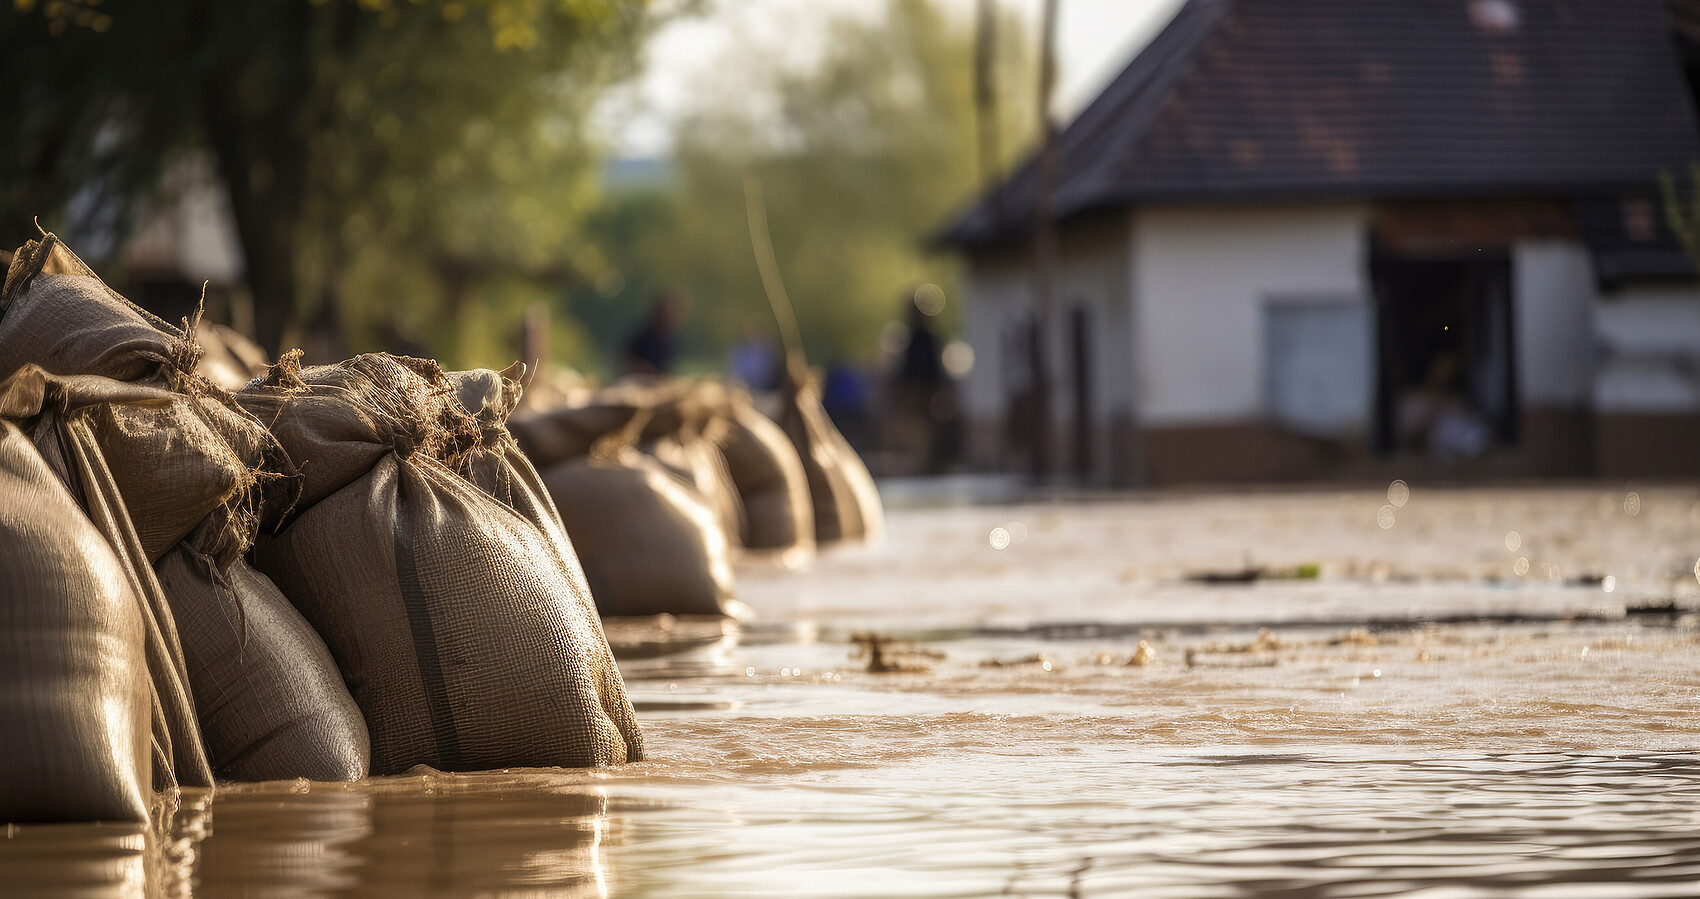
[660, 481]
[332, 572]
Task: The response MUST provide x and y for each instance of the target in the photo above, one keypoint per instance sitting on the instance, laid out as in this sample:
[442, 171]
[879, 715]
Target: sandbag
[648, 543]
[771, 483]
[568, 432]
[177, 463]
[75, 704]
[846, 502]
[271, 703]
[463, 629]
[55, 313]
[57, 410]
[174, 464]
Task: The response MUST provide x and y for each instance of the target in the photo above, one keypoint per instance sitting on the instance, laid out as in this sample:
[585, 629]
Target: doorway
[1446, 374]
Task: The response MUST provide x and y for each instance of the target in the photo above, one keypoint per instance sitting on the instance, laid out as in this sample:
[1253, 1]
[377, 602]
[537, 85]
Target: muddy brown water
[1426, 716]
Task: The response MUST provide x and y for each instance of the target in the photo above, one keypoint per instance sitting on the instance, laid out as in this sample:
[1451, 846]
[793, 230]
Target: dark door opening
[1446, 374]
[1081, 340]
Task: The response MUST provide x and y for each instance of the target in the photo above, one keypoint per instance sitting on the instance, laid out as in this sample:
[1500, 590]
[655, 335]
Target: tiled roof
[1268, 99]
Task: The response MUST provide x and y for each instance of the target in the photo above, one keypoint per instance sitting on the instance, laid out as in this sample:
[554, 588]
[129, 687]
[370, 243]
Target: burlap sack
[174, 464]
[57, 410]
[771, 484]
[75, 703]
[846, 502]
[695, 458]
[462, 627]
[565, 433]
[648, 543]
[55, 313]
[271, 702]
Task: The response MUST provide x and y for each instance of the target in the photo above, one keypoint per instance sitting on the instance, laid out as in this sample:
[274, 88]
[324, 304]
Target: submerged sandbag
[771, 483]
[271, 702]
[463, 629]
[649, 544]
[846, 502]
[57, 411]
[75, 703]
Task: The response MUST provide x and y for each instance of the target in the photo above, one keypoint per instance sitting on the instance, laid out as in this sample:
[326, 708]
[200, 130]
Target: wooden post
[1044, 248]
[986, 99]
[534, 336]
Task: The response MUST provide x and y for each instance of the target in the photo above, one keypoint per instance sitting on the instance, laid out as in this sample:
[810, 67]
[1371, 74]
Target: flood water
[1468, 693]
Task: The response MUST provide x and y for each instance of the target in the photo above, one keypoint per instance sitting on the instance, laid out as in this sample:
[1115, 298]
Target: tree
[860, 157]
[419, 151]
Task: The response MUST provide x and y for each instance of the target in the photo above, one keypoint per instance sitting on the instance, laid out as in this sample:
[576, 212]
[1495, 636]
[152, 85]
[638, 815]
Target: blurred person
[753, 360]
[916, 393]
[1436, 418]
[653, 349]
[847, 397]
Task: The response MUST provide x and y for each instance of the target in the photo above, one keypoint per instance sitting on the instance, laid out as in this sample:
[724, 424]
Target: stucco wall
[1649, 351]
[1093, 272]
[1552, 320]
[1202, 279]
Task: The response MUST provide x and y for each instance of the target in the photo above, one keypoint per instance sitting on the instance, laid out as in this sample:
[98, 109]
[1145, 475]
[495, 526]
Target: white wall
[1649, 350]
[993, 293]
[1202, 278]
[1552, 320]
[1092, 270]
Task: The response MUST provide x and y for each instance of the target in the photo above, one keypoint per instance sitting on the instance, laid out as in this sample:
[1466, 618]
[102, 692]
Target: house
[1330, 238]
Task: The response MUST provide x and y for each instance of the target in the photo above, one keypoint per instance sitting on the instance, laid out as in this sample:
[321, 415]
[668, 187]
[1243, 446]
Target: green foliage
[859, 157]
[406, 162]
[1683, 216]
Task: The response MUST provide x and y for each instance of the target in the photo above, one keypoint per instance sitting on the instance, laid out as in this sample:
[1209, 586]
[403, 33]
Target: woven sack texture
[57, 411]
[271, 702]
[75, 708]
[458, 623]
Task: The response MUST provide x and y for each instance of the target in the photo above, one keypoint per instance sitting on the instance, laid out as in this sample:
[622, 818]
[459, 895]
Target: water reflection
[1426, 726]
[539, 832]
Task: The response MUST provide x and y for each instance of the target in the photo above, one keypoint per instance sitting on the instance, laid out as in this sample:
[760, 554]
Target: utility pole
[1044, 248]
[986, 97]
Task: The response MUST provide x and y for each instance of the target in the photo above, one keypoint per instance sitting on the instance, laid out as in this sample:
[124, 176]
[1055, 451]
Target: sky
[1095, 40]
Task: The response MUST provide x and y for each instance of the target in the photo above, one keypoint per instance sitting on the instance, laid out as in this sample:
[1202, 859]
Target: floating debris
[1306, 571]
[1037, 659]
[1196, 658]
[887, 656]
[1143, 655]
[1666, 608]
[1357, 636]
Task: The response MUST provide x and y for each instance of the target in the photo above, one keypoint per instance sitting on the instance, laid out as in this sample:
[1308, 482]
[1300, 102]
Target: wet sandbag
[174, 463]
[179, 462]
[772, 486]
[56, 313]
[75, 704]
[462, 629]
[271, 702]
[649, 544]
[846, 502]
[58, 411]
